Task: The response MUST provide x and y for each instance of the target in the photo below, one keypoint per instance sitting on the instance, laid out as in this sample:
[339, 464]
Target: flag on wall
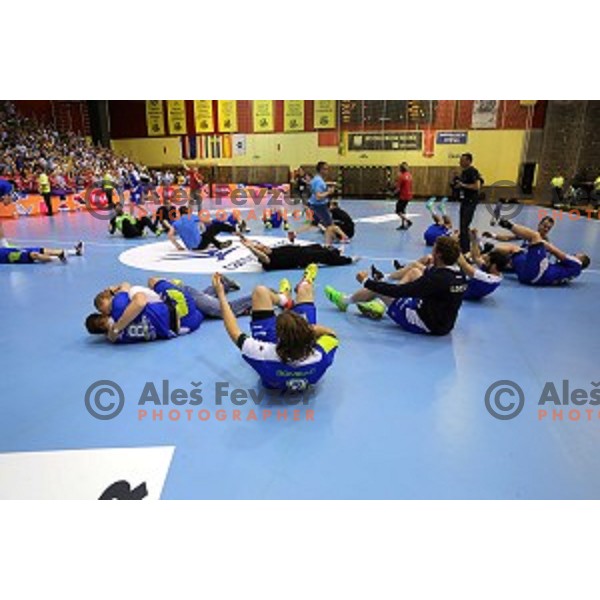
[293, 115]
[203, 116]
[155, 117]
[176, 117]
[485, 114]
[204, 147]
[239, 144]
[263, 118]
[228, 115]
[325, 117]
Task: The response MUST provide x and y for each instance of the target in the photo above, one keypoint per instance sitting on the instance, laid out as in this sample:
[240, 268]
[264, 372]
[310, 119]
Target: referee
[468, 185]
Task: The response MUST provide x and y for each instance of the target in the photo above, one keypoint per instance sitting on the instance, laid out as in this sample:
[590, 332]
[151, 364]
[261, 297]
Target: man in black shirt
[467, 186]
[291, 256]
[341, 218]
[423, 302]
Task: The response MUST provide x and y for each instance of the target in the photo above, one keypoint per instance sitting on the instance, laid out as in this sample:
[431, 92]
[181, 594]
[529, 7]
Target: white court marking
[162, 256]
[385, 218]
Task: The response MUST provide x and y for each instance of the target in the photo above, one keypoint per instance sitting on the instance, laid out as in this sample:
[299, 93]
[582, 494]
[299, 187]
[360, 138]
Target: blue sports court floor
[397, 416]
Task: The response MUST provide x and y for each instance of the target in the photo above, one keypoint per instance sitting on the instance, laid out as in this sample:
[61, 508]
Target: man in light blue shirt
[319, 204]
[193, 234]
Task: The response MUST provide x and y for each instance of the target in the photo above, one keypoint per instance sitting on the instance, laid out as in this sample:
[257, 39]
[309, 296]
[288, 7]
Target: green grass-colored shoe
[336, 298]
[373, 309]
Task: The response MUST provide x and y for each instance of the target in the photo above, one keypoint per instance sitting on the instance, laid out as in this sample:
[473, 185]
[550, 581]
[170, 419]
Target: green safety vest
[122, 218]
[107, 182]
[558, 182]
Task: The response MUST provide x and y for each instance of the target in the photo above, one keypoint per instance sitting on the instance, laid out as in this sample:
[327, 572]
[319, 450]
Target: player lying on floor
[129, 314]
[11, 255]
[425, 300]
[544, 228]
[532, 263]
[288, 351]
[129, 225]
[292, 256]
[206, 300]
[194, 234]
[483, 272]
[442, 224]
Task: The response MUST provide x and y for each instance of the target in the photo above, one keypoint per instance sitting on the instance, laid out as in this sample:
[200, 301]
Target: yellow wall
[497, 153]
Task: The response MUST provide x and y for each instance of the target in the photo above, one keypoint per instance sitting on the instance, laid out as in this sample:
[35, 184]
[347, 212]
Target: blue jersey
[534, 267]
[153, 323]
[481, 284]
[190, 317]
[187, 228]
[317, 185]
[275, 374]
[17, 255]
[433, 232]
[6, 188]
[275, 218]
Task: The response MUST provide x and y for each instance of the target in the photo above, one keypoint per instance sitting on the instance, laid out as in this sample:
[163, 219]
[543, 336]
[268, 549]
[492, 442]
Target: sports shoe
[234, 286]
[496, 213]
[177, 282]
[397, 265]
[79, 247]
[310, 273]
[63, 257]
[376, 274]
[336, 298]
[442, 205]
[291, 236]
[225, 244]
[285, 287]
[286, 225]
[429, 204]
[373, 309]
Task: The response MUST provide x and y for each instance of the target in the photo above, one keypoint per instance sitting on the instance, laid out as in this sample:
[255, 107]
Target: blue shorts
[403, 312]
[529, 265]
[265, 330]
[321, 214]
[18, 255]
[190, 317]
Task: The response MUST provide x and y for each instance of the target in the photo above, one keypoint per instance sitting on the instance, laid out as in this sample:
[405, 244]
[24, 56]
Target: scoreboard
[382, 112]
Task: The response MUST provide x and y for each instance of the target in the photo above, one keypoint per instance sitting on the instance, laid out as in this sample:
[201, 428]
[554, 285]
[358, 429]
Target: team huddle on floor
[286, 345]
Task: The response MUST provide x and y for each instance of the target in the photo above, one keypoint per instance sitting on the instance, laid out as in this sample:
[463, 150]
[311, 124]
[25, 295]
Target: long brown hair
[296, 337]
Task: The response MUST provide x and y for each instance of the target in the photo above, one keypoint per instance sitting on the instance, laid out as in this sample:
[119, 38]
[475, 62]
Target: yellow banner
[228, 116]
[203, 116]
[325, 117]
[176, 117]
[293, 115]
[155, 117]
[264, 119]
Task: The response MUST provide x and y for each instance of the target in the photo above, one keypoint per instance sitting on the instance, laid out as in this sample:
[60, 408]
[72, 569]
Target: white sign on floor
[98, 474]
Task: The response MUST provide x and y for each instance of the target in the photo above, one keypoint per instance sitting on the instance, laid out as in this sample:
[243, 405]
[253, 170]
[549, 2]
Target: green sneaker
[285, 287]
[373, 309]
[336, 298]
[310, 273]
[177, 282]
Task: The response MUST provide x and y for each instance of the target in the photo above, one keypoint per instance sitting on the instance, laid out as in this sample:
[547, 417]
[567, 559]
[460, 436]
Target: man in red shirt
[405, 194]
[196, 184]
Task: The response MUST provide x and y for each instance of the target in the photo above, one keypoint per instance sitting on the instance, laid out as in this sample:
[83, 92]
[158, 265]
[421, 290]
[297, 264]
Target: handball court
[397, 416]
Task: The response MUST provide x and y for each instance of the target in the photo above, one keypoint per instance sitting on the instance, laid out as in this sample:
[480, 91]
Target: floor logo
[162, 256]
